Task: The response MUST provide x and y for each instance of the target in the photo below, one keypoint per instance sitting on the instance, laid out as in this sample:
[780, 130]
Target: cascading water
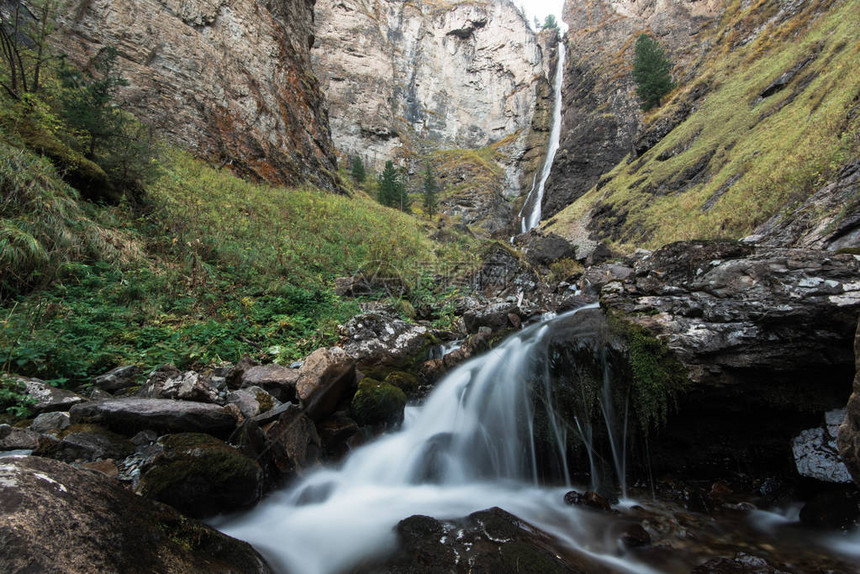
[530, 214]
[471, 446]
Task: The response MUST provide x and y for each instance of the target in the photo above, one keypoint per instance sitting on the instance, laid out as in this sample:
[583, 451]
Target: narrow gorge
[385, 286]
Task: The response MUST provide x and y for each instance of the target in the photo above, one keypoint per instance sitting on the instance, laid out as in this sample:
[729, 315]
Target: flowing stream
[530, 214]
[470, 447]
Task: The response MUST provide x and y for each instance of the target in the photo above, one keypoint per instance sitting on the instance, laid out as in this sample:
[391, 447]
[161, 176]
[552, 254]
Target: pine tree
[358, 172]
[431, 201]
[388, 192]
[652, 72]
[550, 22]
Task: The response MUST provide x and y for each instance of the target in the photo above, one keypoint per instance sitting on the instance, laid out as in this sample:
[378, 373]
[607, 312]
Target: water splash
[530, 214]
[471, 446]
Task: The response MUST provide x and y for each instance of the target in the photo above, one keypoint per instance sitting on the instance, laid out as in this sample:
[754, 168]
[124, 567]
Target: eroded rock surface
[162, 415]
[56, 518]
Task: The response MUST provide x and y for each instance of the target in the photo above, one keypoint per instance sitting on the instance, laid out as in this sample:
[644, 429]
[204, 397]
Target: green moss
[265, 401]
[406, 382]
[378, 402]
[657, 376]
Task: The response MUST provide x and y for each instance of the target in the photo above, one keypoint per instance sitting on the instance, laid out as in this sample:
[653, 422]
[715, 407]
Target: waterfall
[471, 446]
[530, 214]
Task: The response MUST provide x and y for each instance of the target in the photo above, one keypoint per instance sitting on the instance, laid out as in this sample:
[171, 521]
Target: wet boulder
[86, 443]
[201, 476]
[325, 378]
[292, 444]
[815, 452]
[56, 518]
[378, 403]
[495, 315]
[130, 415]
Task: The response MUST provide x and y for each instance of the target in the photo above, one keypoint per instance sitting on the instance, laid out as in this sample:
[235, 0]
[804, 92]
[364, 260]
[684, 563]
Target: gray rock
[848, 437]
[131, 415]
[325, 379]
[47, 422]
[252, 401]
[48, 398]
[117, 379]
[815, 452]
[12, 438]
[278, 381]
[87, 446]
[381, 338]
[56, 518]
[169, 383]
[292, 443]
[494, 315]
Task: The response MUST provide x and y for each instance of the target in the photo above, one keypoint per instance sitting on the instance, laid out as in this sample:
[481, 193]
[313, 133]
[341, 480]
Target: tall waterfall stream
[471, 446]
[530, 214]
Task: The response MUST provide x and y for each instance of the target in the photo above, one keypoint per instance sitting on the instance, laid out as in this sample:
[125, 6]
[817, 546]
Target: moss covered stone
[406, 382]
[378, 402]
[201, 475]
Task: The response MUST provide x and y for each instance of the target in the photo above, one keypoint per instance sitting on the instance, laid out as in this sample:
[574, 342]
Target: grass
[774, 152]
[210, 268]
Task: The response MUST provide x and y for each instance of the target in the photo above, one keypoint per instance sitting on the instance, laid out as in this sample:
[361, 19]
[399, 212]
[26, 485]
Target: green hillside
[771, 114]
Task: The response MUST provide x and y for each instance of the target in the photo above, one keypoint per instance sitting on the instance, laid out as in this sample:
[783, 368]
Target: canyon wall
[229, 80]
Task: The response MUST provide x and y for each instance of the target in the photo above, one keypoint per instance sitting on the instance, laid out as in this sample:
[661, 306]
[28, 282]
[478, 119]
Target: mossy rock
[85, 442]
[201, 476]
[84, 175]
[378, 402]
[406, 382]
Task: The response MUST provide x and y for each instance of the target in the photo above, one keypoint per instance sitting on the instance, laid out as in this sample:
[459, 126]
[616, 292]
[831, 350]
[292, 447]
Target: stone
[234, 376]
[106, 467]
[589, 499]
[278, 381]
[228, 80]
[47, 422]
[816, 455]
[326, 377]
[635, 536]
[335, 432]
[378, 403]
[155, 381]
[13, 438]
[56, 518]
[292, 444]
[252, 401]
[382, 339]
[741, 563]
[118, 378]
[131, 415]
[543, 250]
[48, 398]
[494, 315]
[200, 476]
[86, 443]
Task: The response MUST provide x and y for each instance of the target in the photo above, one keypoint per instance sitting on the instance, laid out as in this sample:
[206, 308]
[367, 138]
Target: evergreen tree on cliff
[431, 188]
[652, 72]
[359, 174]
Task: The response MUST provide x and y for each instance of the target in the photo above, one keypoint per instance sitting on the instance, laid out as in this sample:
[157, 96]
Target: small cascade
[485, 437]
[530, 214]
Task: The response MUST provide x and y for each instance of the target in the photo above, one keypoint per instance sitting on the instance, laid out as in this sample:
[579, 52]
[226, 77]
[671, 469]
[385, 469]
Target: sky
[541, 8]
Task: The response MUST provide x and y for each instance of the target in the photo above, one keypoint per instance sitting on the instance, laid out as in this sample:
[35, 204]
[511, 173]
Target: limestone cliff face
[601, 113]
[407, 77]
[230, 80]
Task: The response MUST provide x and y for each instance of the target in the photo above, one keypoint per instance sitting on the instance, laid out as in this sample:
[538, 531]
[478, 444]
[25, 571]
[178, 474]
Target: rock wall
[601, 114]
[407, 77]
[229, 80]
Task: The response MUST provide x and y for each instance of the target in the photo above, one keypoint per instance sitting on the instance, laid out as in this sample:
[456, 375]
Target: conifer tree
[550, 22]
[359, 174]
[652, 72]
[388, 183]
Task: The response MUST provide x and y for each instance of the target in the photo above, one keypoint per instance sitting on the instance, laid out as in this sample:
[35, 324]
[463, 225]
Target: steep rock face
[229, 80]
[402, 77]
[601, 113]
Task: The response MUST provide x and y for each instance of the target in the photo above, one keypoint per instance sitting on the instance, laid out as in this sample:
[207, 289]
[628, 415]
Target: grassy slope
[767, 154]
[211, 268]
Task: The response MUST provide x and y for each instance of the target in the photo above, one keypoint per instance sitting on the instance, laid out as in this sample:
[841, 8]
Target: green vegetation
[378, 402]
[550, 23]
[740, 157]
[652, 72]
[392, 188]
[358, 173]
[430, 193]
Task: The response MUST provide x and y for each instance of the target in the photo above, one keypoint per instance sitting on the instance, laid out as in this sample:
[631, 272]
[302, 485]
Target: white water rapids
[468, 448]
[530, 214]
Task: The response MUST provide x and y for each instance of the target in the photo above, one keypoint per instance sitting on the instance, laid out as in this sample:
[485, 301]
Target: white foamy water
[469, 448]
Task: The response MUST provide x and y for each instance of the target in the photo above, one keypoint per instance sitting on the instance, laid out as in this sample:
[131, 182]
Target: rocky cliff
[403, 78]
[601, 114]
[229, 80]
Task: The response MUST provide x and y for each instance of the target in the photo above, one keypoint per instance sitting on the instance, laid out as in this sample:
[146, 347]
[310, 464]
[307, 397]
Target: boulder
[56, 518]
[48, 398]
[543, 250]
[326, 378]
[252, 401]
[382, 339]
[487, 541]
[86, 443]
[278, 381]
[335, 432]
[47, 422]
[13, 438]
[742, 563]
[292, 444]
[117, 379]
[494, 315]
[378, 403]
[200, 475]
[130, 415]
[185, 386]
[815, 451]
